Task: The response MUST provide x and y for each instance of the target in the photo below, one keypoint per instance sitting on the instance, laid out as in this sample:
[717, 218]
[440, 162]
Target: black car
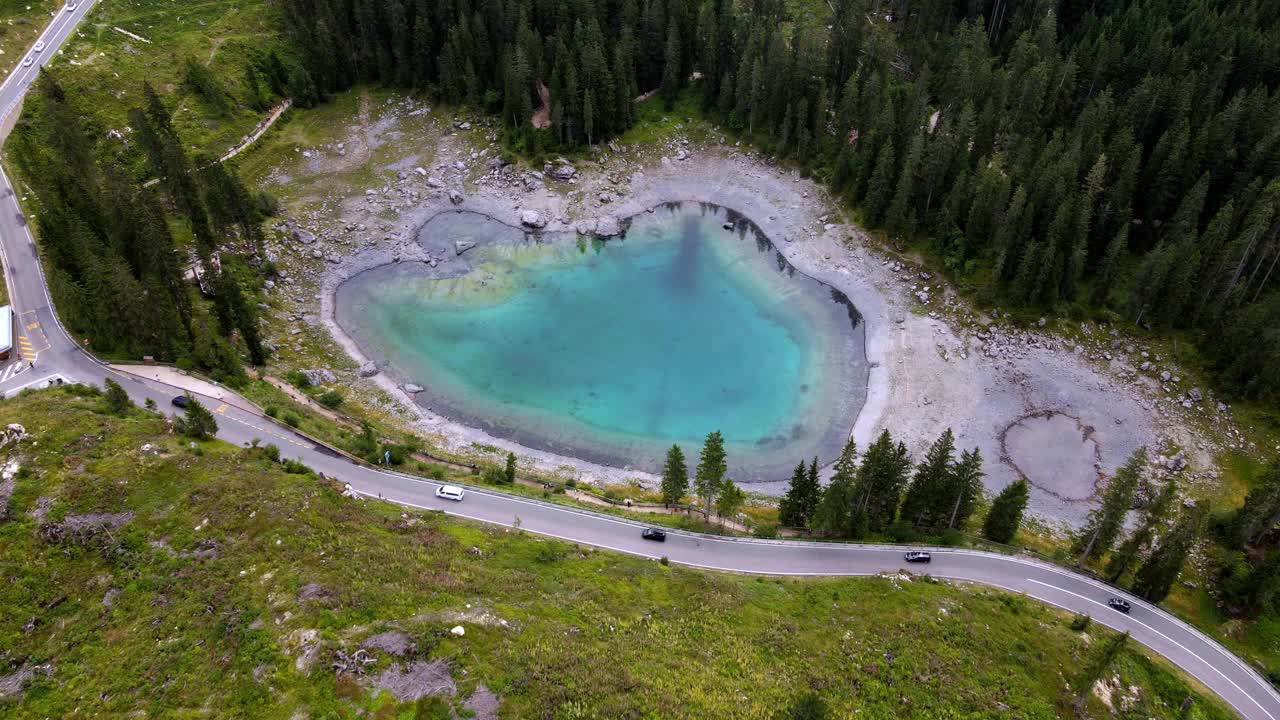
[918, 556]
[181, 401]
[654, 534]
[1118, 604]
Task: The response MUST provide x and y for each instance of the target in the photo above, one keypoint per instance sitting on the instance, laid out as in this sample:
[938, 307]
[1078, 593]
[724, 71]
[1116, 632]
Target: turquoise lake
[612, 351]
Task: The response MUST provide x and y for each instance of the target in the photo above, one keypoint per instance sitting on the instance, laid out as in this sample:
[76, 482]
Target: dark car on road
[654, 534]
[918, 556]
[1118, 604]
[181, 401]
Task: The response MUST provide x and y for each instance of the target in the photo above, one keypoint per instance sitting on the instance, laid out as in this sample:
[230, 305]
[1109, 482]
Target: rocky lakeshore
[934, 361]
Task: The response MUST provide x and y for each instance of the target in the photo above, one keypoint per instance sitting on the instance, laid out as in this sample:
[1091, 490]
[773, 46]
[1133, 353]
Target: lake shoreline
[750, 462]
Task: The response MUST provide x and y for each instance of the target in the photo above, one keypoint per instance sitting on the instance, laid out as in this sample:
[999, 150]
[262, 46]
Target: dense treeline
[1107, 155]
[117, 273]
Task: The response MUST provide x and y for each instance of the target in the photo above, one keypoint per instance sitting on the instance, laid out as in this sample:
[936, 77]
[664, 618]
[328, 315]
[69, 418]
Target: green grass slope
[215, 584]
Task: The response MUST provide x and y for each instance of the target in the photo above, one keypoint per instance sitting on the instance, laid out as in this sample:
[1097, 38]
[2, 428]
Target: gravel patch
[415, 680]
[483, 704]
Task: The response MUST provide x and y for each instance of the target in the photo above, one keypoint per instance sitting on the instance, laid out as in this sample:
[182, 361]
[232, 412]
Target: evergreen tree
[965, 485]
[729, 499]
[1098, 663]
[881, 478]
[1005, 515]
[797, 507]
[115, 397]
[1261, 510]
[711, 469]
[1152, 516]
[675, 477]
[1157, 575]
[1254, 589]
[832, 514]
[791, 508]
[671, 68]
[1104, 522]
[198, 423]
[509, 472]
[928, 497]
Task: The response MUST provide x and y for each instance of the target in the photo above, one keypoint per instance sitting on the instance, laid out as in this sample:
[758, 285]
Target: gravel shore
[934, 362]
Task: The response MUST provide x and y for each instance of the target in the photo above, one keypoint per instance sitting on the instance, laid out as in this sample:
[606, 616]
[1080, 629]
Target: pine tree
[881, 477]
[711, 470]
[1157, 575]
[1105, 521]
[832, 513]
[878, 192]
[198, 423]
[729, 499]
[675, 477]
[1094, 669]
[671, 68]
[791, 507]
[509, 472]
[928, 493]
[965, 485]
[1005, 515]
[1152, 516]
[115, 397]
[1261, 510]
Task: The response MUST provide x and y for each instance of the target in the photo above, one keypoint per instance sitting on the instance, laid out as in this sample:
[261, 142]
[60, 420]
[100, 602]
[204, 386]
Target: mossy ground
[133, 620]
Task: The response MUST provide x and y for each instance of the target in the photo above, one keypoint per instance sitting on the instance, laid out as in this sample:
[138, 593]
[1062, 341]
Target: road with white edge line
[57, 356]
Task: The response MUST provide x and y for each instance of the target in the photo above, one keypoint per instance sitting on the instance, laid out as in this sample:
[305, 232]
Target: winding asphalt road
[55, 355]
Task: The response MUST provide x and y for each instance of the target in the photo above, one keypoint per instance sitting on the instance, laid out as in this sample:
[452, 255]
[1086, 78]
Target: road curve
[55, 354]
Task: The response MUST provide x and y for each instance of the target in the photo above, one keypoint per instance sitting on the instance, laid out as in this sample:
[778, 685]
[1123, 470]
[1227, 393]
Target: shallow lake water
[612, 351]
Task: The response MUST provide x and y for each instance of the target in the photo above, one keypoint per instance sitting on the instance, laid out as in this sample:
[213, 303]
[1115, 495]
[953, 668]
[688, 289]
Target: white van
[449, 492]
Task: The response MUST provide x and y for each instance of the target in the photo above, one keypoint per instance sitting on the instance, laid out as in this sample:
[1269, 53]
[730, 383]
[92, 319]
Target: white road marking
[1166, 637]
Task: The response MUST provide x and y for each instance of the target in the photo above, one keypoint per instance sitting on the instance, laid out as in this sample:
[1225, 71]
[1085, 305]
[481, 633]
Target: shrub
[292, 420]
[331, 399]
[271, 452]
[273, 411]
[901, 532]
[663, 560]
[765, 530]
[294, 467]
[1080, 622]
[432, 707]
[297, 379]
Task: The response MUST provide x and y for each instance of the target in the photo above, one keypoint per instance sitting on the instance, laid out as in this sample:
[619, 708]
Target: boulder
[682, 154]
[461, 246]
[607, 226]
[455, 197]
[411, 388]
[458, 630]
[533, 219]
[368, 369]
[586, 227]
[561, 171]
[319, 376]
[434, 182]
[1195, 395]
[302, 236]
[420, 171]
